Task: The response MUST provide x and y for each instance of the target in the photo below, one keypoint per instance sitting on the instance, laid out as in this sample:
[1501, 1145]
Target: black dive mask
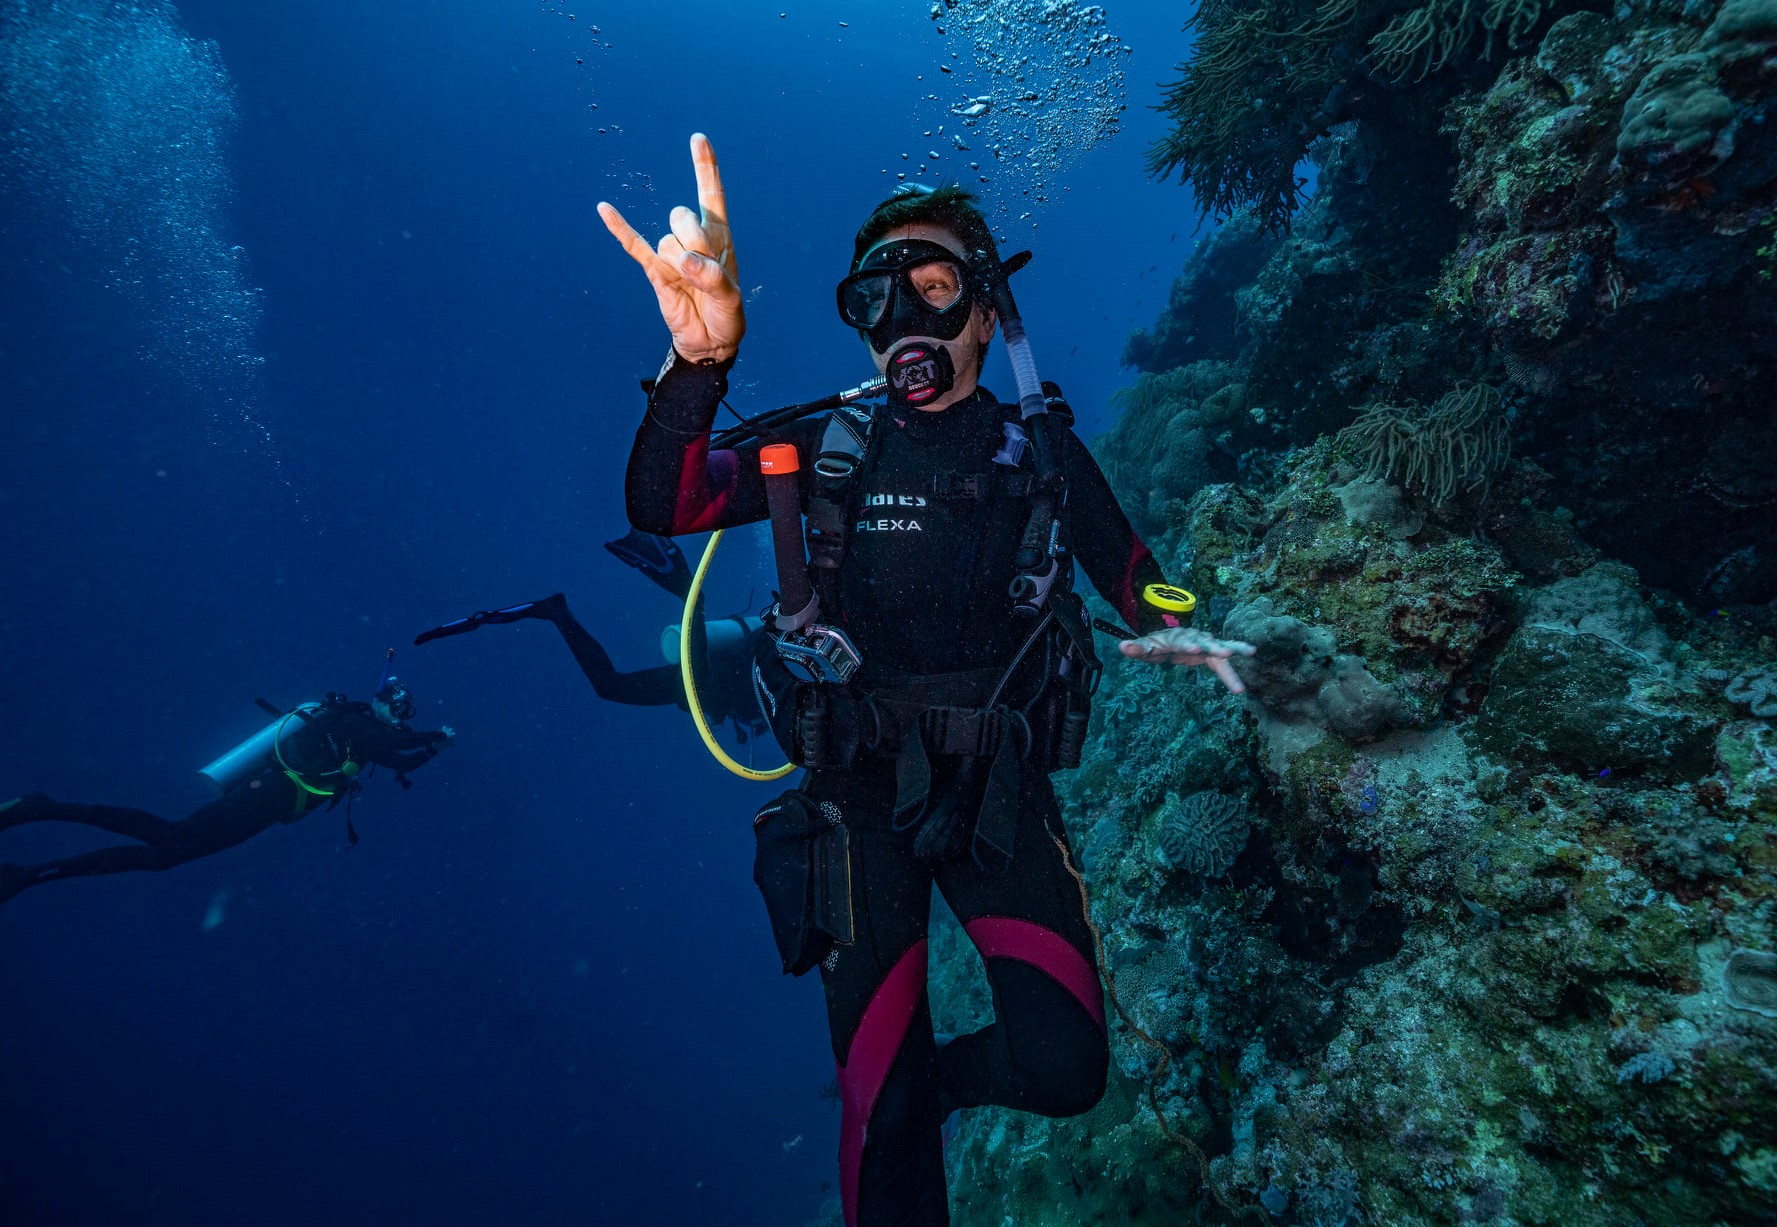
[398, 699]
[908, 288]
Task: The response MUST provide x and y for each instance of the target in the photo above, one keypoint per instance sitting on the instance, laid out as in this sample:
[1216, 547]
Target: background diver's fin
[269, 708]
[549, 609]
[659, 558]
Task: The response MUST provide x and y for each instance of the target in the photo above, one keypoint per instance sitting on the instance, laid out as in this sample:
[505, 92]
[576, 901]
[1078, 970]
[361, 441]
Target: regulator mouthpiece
[919, 374]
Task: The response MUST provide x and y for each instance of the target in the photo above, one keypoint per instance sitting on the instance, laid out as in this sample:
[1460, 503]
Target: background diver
[311, 757]
[721, 650]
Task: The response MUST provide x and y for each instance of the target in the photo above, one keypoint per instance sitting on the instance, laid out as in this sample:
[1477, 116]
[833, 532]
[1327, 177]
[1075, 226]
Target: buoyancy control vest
[971, 731]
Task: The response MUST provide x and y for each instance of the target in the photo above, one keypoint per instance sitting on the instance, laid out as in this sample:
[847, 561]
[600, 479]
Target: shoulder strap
[1008, 474]
[845, 441]
[1057, 404]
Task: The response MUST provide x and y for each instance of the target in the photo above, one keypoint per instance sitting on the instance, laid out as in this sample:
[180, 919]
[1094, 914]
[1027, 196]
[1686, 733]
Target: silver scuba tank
[724, 636]
[257, 754]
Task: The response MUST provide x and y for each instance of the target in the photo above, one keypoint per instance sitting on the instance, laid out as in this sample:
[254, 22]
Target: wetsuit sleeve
[1117, 561]
[675, 483]
[372, 741]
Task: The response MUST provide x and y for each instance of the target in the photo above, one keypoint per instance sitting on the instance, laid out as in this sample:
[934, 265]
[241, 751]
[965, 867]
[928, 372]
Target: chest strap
[981, 487]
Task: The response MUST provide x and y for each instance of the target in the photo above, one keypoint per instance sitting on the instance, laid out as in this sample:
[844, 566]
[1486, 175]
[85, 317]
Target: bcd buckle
[967, 731]
[953, 485]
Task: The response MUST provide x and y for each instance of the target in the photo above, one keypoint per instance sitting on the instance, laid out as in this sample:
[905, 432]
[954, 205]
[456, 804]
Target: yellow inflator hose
[697, 716]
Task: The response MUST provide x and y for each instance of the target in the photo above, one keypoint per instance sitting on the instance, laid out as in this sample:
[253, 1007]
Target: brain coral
[1750, 981]
[1203, 833]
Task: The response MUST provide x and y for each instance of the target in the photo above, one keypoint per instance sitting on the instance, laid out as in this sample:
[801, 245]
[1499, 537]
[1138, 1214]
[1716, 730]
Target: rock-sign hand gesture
[692, 269]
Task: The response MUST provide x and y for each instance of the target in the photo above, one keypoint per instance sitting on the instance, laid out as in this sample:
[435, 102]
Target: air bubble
[1056, 90]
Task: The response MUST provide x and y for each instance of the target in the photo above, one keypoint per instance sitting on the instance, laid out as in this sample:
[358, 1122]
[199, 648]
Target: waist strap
[943, 711]
[962, 688]
[969, 731]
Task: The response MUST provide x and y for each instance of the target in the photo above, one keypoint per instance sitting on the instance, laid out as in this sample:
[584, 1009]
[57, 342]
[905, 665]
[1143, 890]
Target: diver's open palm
[692, 270]
[1183, 645]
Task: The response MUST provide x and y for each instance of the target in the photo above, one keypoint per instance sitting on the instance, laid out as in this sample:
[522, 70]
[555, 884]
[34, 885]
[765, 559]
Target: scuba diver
[312, 756]
[936, 666]
[721, 651]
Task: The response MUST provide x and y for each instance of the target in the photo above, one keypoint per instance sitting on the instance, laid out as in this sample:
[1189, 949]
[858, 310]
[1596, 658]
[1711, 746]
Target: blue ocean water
[309, 339]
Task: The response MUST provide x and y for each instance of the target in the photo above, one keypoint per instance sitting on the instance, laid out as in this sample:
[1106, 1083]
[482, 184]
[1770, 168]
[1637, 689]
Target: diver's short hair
[950, 206]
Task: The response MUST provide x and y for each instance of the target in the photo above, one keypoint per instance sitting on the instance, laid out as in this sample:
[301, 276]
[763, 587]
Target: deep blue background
[541, 990]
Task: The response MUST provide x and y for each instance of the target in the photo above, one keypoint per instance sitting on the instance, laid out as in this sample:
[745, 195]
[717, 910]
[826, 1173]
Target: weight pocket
[802, 866]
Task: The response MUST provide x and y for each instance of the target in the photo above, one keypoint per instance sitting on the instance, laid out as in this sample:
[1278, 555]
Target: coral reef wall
[1467, 912]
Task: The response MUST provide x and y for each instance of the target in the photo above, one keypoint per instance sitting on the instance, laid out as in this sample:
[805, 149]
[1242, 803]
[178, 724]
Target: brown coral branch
[1431, 34]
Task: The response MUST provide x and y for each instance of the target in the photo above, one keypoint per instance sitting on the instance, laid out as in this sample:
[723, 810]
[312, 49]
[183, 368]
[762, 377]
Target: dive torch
[810, 651]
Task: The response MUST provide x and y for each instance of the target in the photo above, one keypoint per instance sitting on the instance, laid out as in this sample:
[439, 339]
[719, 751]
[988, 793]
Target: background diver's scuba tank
[724, 636]
[259, 753]
[275, 745]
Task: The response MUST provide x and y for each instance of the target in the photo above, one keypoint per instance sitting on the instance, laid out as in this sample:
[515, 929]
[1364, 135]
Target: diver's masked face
[393, 704]
[913, 299]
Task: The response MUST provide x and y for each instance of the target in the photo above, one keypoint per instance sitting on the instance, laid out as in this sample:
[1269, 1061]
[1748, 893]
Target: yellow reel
[1169, 598]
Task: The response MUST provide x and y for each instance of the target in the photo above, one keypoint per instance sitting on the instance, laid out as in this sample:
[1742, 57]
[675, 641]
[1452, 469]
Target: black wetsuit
[653, 686]
[923, 591]
[315, 748]
[722, 668]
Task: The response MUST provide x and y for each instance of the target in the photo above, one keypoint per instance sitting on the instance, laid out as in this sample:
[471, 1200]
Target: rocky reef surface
[1467, 912]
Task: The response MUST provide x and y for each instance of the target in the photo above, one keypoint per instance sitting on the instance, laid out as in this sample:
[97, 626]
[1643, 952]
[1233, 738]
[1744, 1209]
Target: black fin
[659, 558]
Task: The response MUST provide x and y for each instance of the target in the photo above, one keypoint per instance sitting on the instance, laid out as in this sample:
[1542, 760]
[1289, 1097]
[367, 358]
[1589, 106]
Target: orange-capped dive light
[812, 652]
[779, 459]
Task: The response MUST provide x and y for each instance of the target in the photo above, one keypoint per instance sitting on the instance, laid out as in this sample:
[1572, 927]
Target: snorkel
[996, 276]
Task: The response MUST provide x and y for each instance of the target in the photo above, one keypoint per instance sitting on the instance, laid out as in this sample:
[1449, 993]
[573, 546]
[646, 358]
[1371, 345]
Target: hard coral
[1677, 112]
[1756, 689]
[1297, 675]
[1203, 833]
[1165, 444]
[1577, 698]
[1696, 154]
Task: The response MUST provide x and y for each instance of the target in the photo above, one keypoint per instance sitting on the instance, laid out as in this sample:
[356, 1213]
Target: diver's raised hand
[692, 269]
[1180, 645]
